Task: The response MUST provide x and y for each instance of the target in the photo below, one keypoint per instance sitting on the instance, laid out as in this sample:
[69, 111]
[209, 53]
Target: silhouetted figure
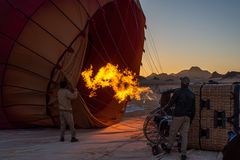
[65, 110]
[184, 101]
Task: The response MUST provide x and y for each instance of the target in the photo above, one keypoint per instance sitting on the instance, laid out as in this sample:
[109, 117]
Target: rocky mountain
[216, 75]
[165, 76]
[140, 78]
[195, 73]
[152, 75]
[162, 76]
[232, 74]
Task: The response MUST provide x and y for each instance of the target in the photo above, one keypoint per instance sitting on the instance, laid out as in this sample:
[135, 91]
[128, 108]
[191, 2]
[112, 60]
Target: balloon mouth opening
[100, 51]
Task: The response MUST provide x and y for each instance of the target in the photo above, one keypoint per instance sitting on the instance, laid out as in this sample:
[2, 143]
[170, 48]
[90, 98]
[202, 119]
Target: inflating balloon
[45, 41]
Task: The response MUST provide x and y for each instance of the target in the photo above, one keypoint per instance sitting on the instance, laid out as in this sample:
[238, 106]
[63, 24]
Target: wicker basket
[215, 106]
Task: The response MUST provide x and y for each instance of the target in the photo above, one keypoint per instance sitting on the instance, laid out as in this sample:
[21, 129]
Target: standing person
[65, 110]
[184, 101]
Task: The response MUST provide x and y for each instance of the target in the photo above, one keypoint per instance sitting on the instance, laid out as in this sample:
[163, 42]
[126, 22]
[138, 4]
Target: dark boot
[74, 139]
[62, 139]
[165, 148]
[183, 157]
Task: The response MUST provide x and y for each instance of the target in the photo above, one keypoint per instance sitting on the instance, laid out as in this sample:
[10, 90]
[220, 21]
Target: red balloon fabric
[44, 41]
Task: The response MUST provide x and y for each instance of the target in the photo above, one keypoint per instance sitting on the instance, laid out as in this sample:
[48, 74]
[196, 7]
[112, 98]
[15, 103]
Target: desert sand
[122, 141]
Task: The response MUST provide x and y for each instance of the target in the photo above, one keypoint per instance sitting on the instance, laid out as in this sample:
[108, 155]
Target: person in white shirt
[65, 110]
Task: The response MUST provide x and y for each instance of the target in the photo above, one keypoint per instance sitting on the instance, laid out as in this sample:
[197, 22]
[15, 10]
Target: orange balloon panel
[45, 41]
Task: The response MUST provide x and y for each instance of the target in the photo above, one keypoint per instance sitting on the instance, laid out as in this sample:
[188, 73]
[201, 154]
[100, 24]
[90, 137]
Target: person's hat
[185, 80]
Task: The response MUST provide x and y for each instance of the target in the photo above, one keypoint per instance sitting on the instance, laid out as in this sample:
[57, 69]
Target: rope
[147, 59]
[151, 41]
[137, 25]
[144, 70]
[155, 50]
[152, 59]
[98, 100]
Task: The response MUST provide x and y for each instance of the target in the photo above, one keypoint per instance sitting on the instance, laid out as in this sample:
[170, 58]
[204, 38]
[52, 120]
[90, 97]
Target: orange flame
[123, 83]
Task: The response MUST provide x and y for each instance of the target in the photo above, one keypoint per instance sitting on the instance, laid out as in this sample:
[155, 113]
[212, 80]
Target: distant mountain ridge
[232, 74]
[196, 73]
[216, 75]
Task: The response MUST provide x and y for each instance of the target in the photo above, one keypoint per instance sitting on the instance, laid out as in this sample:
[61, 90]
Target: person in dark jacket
[184, 101]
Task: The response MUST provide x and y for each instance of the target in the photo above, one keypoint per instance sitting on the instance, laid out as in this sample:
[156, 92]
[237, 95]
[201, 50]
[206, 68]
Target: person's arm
[71, 95]
[172, 100]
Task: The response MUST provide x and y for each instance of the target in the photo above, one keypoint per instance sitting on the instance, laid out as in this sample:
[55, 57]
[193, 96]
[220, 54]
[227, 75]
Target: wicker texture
[217, 102]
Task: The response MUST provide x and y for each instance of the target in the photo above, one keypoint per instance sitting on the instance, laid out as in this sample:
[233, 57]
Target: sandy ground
[123, 141]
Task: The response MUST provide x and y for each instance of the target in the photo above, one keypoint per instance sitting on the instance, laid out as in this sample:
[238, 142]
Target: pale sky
[204, 33]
